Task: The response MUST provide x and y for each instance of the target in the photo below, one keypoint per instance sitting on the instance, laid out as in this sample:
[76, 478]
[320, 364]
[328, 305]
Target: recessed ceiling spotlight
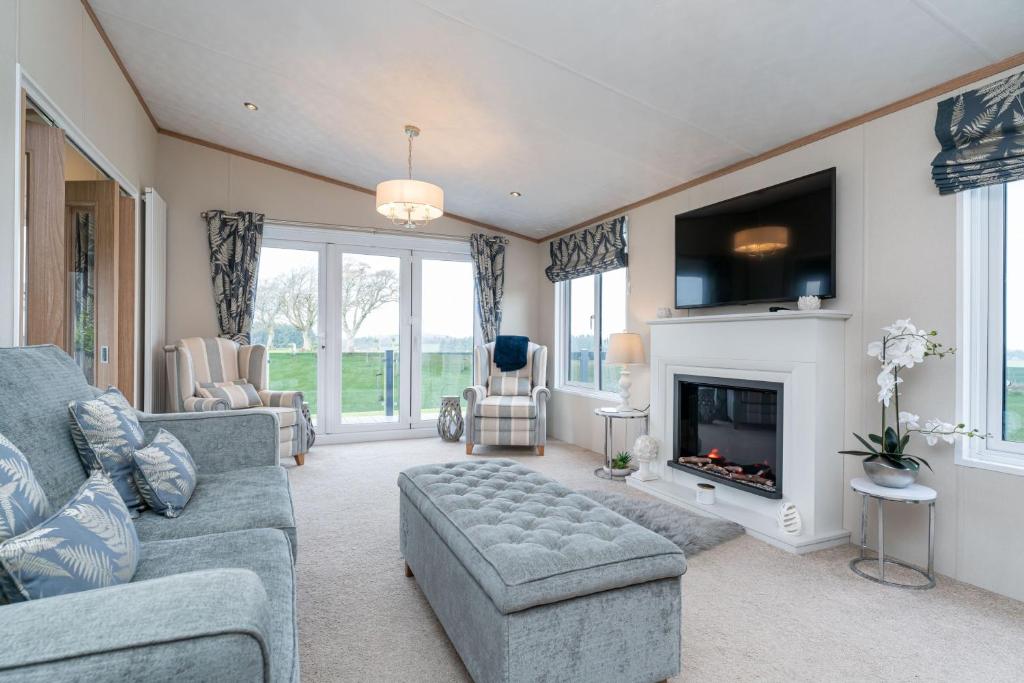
[515, 193]
[250, 106]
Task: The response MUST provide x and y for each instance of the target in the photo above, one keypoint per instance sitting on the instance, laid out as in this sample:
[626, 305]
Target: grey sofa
[213, 598]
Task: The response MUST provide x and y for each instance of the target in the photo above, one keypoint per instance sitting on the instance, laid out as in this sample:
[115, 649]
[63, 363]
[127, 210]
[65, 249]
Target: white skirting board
[757, 525]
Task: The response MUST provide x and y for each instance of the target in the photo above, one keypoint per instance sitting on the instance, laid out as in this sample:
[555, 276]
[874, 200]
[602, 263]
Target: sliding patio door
[386, 332]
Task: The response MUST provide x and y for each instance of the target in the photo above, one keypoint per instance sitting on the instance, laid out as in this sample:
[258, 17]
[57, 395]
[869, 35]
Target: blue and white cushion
[23, 503]
[509, 384]
[89, 543]
[107, 433]
[165, 474]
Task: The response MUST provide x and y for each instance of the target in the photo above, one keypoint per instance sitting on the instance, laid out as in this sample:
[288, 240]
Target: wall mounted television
[775, 244]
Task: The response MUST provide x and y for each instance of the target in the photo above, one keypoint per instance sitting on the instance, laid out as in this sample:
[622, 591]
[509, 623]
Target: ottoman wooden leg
[300, 458]
[540, 449]
[469, 448]
[408, 571]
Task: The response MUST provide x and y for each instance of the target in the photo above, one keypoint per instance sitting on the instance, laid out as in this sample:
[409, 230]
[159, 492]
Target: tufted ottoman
[533, 582]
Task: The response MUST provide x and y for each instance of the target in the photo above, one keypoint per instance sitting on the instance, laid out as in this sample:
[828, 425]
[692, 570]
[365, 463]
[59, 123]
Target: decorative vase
[449, 420]
[884, 474]
[645, 450]
[808, 303]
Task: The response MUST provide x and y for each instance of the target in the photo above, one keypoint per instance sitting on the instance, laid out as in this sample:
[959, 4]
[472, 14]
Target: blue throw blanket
[510, 352]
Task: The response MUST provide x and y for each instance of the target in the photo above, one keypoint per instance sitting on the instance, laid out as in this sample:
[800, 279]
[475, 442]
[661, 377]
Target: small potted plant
[886, 460]
[621, 464]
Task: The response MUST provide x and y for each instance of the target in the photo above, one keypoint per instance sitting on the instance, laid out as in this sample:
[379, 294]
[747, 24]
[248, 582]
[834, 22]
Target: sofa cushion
[107, 433]
[286, 416]
[500, 385]
[165, 474]
[528, 540]
[520, 407]
[263, 551]
[89, 543]
[36, 384]
[249, 498]
[239, 394]
[23, 504]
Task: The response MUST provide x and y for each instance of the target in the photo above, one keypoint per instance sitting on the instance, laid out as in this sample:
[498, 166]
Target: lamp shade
[412, 200]
[625, 348]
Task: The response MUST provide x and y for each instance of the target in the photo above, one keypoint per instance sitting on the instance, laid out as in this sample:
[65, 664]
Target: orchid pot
[887, 462]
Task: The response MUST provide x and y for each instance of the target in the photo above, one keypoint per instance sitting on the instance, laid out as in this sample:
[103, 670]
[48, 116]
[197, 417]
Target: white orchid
[909, 419]
[903, 346]
[887, 381]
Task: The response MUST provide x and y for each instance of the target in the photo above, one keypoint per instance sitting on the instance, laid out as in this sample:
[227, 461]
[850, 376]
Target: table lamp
[625, 349]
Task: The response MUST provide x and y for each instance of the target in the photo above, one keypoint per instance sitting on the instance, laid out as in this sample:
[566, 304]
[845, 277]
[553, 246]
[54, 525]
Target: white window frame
[980, 319]
[563, 336]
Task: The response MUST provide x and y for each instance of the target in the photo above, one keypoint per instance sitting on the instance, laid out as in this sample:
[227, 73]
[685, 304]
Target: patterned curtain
[589, 251]
[235, 240]
[982, 136]
[488, 255]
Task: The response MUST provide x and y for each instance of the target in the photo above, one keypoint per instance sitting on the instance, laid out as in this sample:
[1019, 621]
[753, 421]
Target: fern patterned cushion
[23, 503]
[238, 393]
[165, 474]
[89, 543]
[106, 434]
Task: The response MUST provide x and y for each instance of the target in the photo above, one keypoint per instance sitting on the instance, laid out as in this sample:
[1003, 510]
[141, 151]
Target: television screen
[776, 244]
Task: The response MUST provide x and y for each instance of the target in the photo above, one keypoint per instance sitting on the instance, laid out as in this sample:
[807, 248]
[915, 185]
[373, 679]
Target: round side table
[610, 415]
[914, 494]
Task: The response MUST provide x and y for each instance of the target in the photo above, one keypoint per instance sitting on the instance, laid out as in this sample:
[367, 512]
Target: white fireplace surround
[803, 351]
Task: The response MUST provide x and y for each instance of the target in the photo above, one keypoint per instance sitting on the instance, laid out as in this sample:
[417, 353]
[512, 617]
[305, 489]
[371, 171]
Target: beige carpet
[750, 611]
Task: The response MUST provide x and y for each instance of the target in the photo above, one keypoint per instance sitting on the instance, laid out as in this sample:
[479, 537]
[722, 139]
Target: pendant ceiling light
[407, 202]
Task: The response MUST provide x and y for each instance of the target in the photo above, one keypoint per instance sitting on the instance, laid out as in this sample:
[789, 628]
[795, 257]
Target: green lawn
[363, 379]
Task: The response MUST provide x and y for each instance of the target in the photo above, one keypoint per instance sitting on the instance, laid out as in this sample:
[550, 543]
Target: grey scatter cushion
[89, 543]
[238, 393]
[107, 433]
[165, 474]
[23, 503]
[508, 384]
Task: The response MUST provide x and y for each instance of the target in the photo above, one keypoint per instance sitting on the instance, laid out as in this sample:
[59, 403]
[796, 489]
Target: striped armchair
[199, 361]
[508, 408]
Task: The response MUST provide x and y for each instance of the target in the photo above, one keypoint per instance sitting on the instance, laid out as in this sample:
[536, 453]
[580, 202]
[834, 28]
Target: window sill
[994, 461]
[584, 392]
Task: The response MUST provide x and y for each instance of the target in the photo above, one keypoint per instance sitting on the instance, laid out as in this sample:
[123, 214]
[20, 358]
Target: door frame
[334, 242]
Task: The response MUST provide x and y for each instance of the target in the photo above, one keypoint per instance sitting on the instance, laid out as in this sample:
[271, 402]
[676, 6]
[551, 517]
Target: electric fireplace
[729, 431]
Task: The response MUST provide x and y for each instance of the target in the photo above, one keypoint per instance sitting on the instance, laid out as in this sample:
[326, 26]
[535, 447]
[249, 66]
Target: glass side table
[610, 415]
[914, 494]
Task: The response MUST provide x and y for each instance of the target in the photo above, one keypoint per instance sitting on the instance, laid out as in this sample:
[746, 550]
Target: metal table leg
[863, 525]
[931, 542]
[881, 540]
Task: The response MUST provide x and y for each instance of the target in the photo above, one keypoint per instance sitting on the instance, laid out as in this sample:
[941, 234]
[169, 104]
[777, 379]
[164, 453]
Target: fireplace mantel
[803, 351]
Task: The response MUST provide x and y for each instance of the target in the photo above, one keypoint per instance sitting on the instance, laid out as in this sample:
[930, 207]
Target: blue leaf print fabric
[165, 474]
[89, 543]
[23, 503]
[107, 433]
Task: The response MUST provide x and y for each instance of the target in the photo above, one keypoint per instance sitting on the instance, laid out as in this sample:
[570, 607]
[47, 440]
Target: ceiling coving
[597, 107]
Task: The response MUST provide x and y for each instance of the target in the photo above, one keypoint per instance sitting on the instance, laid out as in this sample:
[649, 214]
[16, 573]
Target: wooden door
[45, 284]
[127, 331]
[92, 209]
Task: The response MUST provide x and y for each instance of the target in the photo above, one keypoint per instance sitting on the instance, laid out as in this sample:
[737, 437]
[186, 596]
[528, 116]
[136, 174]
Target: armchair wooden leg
[300, 459]
[540, 449]
[469, 448]
[408, 570]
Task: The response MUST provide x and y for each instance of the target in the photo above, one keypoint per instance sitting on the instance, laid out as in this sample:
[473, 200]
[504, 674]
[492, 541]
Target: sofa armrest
[541, 394]
[198, 404]
[473, 395]
[222, 440]
[205, 625]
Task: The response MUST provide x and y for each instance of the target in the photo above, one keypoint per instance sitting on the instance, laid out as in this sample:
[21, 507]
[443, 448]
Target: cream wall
[896, 247]
[58, 47]
[193, 178]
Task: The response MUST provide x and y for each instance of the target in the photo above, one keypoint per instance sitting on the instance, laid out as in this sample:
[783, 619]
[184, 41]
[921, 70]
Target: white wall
[896, 244]
[193, 178]
[62, 52]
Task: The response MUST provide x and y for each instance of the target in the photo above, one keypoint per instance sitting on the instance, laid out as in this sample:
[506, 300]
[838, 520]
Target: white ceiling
[583, 106]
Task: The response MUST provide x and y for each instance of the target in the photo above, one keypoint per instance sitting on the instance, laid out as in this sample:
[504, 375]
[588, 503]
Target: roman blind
[589, 251]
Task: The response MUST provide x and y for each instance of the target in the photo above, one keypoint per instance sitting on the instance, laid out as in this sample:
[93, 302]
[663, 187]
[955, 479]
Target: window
[590, 309]
[991, 309]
